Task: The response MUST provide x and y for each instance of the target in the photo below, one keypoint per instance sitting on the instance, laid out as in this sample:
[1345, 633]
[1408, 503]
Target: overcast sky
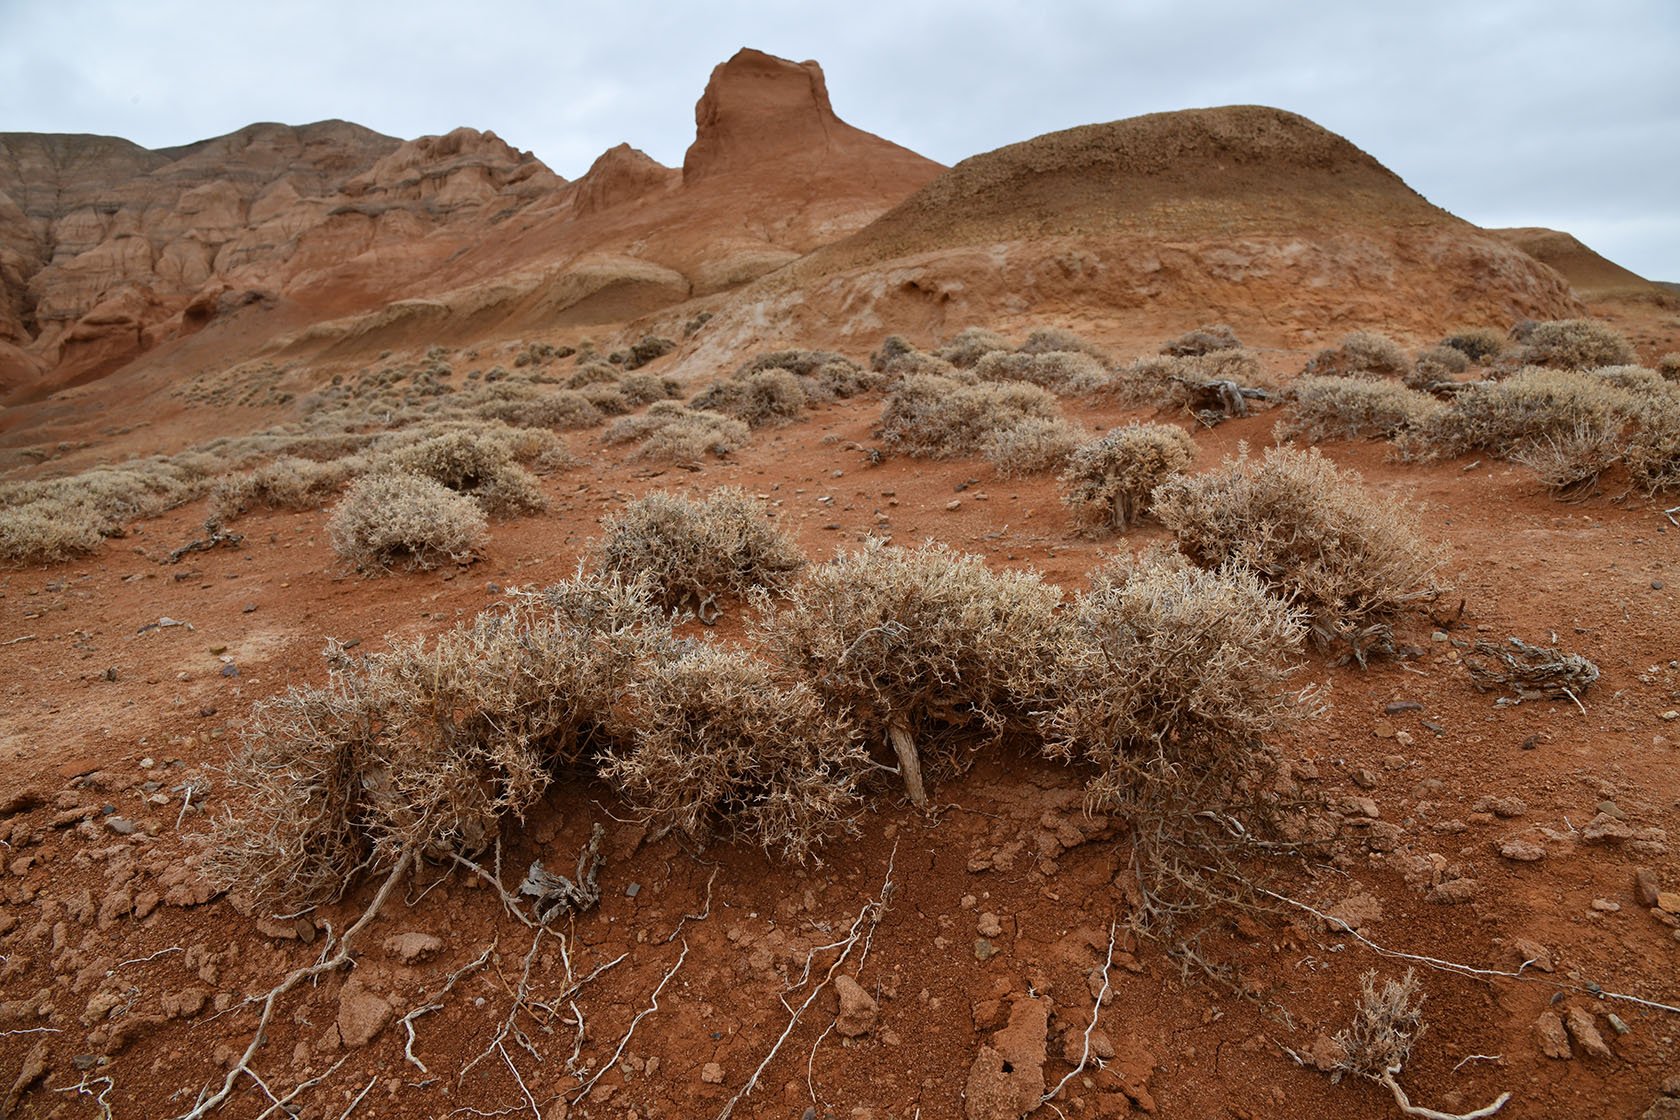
[1546, 113]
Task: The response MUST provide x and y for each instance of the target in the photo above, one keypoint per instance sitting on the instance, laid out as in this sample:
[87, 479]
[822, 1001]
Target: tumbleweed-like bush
[1202, 340]
[929, 650]
[668, 432]
[756, 399]
[1575, 344]
[823, 375]
[1478, 345]
[475, 464]
[1350, 559]
[970, 345]
[694, 552]
[1362, 353]
[1053, 340]
[1060, 371]
[1353, 408]
[1503, 417]
[1031, 445]
[285, 483]
[390, 519]
[937, 417]
[1108, 481]
[720, 745]
[428, 747]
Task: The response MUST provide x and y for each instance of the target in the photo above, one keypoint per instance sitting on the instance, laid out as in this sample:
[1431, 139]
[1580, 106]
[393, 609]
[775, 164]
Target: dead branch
[301, 1088]
[1532, 672]
[874, 909]
[653, 1005]
[342, 958]
[1096, 1011]
[205, 544]
[556, 894]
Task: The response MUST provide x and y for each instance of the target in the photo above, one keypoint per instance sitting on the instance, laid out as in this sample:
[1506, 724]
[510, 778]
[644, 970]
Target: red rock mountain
[1245, 214]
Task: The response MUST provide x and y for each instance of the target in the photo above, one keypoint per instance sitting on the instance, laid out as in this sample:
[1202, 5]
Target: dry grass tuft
[430, 746]
[1212, 387]
[1503, 417]
[1202, 340]
[1108, 482]
[928, 649]
[695, 552]
[1031, 445]
[286, 483]
[756, 399]
[388, 519]
[824, 376]
[49, 520]
[1061, 340]
[668, 432]
[1386, 1025]
[1352, 408]
[937, 417]
[1669, 366]
[1575, 344]
[1351, 560]
[719, 744]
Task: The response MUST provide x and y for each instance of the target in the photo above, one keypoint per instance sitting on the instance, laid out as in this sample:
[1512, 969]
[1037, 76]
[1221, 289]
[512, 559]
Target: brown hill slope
[1592, 276]
[1248, 214]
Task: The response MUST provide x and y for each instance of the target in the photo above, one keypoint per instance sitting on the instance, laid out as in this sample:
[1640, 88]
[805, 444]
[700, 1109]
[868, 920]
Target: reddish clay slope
[1592, 276]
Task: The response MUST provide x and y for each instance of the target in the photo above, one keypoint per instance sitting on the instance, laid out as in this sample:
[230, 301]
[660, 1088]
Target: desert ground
[1048, 931]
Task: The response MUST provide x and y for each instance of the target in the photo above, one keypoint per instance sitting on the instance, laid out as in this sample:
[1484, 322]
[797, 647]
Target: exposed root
[328, 964]
[437, 1004]
[873, 911]
[1096, 1011]
[1410, 1109]
[653, 1005]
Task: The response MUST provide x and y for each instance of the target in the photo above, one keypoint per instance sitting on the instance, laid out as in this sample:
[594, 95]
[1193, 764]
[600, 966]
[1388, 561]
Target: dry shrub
[646, 349]
[1350, 559]
[472, 463]
[1386, 1025]
[1030, 446]
[53, 519]
[1532, 406]
[1575, 344]
[1060, 371]
[595, 373]
[403, 518]
[1202, 340]
[1435, 365]
[609, 400]
[1477, 345]
[937, 417]
[1362, 353]
[695, 552]
[645, 388]
[1351, 408]
[524, 405]
[720, 744]
[286, 483]
[1569, 463]
[823, 375]
[756, 399]
[668, 432]
[1108, 482]
[1052, 340]
[1669, 366]
[1652, 451]
[920, 362]
[1212, 387]
[892, 347]
[927, 648]
[1173, 679]
[428, 747]
[970, 345]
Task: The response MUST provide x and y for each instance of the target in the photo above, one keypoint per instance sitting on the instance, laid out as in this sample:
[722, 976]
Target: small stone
[1610, 808]
[122, 826]
[632, 890]
[989, 926]
[147, 763]
[1645, 886]
[1671, 715]
[858, 1009]
[984, 949]
[1668, 902]
[1383, 729]
[1364, 778]
[248, 608]
[1656, 585]
[361, 1016]
[1585, 1032]
[1605, 828]
[1606, 906]
[1439, 636]
[1549, 1033]
[1399, 706]
[1521, 850]
[711, 1073]
[1403, 738]
[1532, 954]
[230, 670]
[413, 947]
[954, 504]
